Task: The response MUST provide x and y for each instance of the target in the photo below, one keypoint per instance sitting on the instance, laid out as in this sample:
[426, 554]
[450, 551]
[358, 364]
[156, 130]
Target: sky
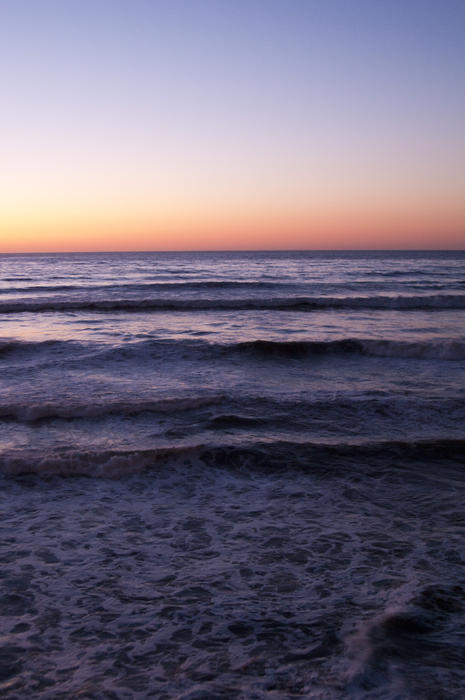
[231, 124]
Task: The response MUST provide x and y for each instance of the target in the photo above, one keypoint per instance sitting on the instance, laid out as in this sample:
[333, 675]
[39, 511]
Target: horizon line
[237, 250]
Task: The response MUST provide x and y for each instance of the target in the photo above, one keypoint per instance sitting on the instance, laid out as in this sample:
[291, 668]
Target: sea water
[267, 452]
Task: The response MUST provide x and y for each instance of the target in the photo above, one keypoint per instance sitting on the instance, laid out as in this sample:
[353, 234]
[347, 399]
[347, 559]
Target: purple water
[281, 441]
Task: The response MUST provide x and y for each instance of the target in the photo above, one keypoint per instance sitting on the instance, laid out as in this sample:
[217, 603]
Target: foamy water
[279, 441]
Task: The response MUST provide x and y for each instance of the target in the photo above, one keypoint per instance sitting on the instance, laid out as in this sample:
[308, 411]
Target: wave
[49, 410]
[313, 457]
[45, 288]
[218, 412]
[20, 348]
[433, 349]
[149, 349]
[402, 273]
[141, 286]
[410, 630]
[435, 302]
[16, 279]
[444, 349]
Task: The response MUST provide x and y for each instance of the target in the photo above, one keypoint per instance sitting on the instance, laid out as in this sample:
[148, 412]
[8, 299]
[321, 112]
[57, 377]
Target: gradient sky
[223, 124]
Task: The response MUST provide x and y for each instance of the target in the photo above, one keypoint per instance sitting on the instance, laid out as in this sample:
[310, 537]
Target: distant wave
[314, 457]
[435, 302]
[363, 286]
[401, 273]
[16, 279]
[45, 288]
[143, 286]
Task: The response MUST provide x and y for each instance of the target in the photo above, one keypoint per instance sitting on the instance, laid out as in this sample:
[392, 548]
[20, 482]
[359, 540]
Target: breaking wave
[445, 349]
[419, 632]
[314, 457]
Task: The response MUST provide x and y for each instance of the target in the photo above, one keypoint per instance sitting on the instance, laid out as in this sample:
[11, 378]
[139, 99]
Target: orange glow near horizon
[353, 230]
[277, 215]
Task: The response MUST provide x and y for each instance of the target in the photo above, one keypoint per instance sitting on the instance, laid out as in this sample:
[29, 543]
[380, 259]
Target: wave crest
[441, 349]
[435, 302]
[315, 457]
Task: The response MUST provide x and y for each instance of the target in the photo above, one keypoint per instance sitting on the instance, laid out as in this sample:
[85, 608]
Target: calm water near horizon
[267, 452]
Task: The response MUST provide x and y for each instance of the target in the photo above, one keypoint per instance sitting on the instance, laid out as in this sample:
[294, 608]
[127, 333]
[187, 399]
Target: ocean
[232, 475]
